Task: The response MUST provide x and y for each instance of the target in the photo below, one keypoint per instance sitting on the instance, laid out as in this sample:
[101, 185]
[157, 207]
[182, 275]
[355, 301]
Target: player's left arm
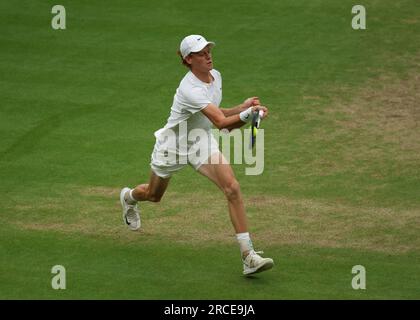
[217, 117]
[250, 102]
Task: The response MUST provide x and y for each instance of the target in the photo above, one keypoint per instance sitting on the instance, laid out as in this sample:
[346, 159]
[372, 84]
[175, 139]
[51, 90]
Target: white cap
[193, 43]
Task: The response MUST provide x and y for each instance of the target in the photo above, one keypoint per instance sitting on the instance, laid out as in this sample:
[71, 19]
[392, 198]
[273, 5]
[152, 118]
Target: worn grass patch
[200, 218]
[376, 126]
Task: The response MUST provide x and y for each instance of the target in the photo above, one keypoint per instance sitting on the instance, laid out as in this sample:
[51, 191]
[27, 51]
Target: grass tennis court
[341, 181]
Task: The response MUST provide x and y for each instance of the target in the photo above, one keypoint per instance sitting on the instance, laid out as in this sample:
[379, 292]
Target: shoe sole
[122, 201]
[266, 266]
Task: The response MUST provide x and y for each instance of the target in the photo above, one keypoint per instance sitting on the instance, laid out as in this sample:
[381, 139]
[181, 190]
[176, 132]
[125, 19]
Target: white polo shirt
[173, 150]
[190, 98]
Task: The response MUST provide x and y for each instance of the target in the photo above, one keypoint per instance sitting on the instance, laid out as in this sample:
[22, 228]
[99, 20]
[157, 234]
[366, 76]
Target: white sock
[129, 197]
[245, 243]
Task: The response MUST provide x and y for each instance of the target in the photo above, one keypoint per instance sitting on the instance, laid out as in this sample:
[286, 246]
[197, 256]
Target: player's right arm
[218, 118]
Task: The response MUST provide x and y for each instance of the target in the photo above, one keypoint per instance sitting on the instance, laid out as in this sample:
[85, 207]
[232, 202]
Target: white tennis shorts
[166, 160]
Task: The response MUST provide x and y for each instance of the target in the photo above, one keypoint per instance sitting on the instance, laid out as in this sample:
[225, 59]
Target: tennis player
[196, 108]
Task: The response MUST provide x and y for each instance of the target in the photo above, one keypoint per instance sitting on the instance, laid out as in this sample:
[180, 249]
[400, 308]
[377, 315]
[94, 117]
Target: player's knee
[232, 190]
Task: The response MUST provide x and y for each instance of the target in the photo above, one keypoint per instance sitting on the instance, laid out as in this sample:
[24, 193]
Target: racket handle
[260, 115]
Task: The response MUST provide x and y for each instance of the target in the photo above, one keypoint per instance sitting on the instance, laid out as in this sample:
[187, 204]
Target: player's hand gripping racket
[255, 124]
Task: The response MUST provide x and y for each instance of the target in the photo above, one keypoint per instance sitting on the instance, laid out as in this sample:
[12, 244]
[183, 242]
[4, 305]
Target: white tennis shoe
[254, 263]
[131, 212]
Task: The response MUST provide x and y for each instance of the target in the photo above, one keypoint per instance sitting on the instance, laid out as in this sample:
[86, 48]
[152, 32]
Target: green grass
[342, 169]
[103, 269]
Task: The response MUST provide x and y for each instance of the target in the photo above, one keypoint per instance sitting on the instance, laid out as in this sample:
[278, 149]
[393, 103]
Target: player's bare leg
[152, 191]
[220, 172]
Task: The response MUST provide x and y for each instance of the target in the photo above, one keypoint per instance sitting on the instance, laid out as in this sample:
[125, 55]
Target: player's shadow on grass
[252, 278]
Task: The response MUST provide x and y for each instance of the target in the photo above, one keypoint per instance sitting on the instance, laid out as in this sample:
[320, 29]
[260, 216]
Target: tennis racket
[255, 124]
